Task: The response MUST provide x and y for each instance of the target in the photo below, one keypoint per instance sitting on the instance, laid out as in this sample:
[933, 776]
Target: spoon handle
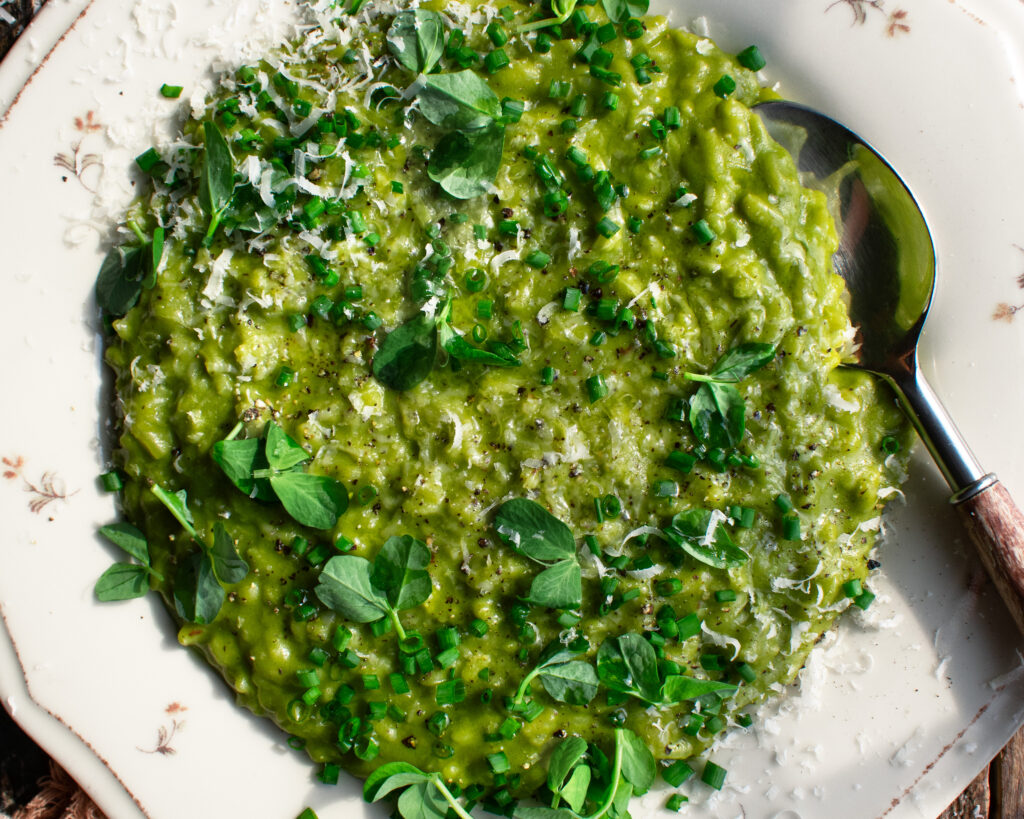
[994, 522]
[996, 525]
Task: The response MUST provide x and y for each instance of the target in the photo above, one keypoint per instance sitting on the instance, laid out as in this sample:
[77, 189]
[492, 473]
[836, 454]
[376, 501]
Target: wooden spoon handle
[996, 525]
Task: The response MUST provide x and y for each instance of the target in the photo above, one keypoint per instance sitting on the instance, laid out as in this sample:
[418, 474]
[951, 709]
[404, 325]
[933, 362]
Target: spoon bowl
[887, 259]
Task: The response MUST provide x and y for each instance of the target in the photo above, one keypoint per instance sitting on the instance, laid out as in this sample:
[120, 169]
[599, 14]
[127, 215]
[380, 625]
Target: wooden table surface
[997, 793]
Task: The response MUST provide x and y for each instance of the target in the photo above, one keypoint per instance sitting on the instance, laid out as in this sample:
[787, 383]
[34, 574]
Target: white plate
[911, 701]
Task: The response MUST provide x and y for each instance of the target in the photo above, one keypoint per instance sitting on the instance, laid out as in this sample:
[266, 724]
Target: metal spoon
[887, 259]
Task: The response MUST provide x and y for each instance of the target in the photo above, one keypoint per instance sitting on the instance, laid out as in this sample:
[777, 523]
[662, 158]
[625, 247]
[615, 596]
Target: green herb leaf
[216, 177]
[562, 9]
[738, 363]
[564, 759]
[122, 581]
[700, 534]
[313, 500]
[198, 596]
[422, 800]
[573, 682]
[416, 38]
[465, 165]
[177, 505]
[678, 688]
[408, 353]
[119, 282]
[345, 587]
[638, 765]
[379, 783]
[717, 415]
[628, 664]
[228, 566]
[457, 347]
[575, 790]
[399, 570]
[154, 251]
[129, 539]
[558, 587]
[539, 812]
[283, 452]
[461, 101]
[239, 458]
[534, 532]
[621, 10]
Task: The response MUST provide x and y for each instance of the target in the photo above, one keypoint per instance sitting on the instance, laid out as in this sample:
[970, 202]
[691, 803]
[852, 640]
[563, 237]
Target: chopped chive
[170, 91]
[790, 527]
[512, 110]
[744, 720]
[681, 461]
[537, 259]
[783, 503]
[498, 762]
[725, 86]
[890, 445]
[148, 160]
[496, 61]
[665, 489]
[397, 187]
[746, 672]
[725, 596]
[677, 773]
[572, 299]
[607, 228]
[547, 376]
[476, 279]
[597, 388]
[497, 33]
[111, 481]
[689, 626]
[284, 376]
[751, 58]
[702, 232]
[673, 119]
[713, 775]
[864, 599]
[610, 101]
[483, 308]
[559, 89]
[853, 588]
[666, 588]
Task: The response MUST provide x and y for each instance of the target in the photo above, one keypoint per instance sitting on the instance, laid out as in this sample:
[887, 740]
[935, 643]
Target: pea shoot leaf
[385, 778]
[198, 596]
[564, 759]
[457, 347]
[407, 355]
[425, 795]
[126, 271]
[700, 534]
[575, 790]
[574, 682]
[129, 539]
[678, 688]
[216, 178]
[313, 500]
[345, 587]
[240, 458]
[269, 469]
[738, 363]
[466, 164]
[619, 11]
[282, 451]
[416, 39]
[558, 587]
[228, 566]
[638, 765]
[422, 800]
[461, 101]
[717, 415]
[399, 570]
[562, 9]
[627, 663]
[122, 581]
[534, 532]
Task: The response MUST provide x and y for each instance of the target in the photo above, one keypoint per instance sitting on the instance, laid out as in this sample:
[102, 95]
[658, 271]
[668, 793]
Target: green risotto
[479, 402]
